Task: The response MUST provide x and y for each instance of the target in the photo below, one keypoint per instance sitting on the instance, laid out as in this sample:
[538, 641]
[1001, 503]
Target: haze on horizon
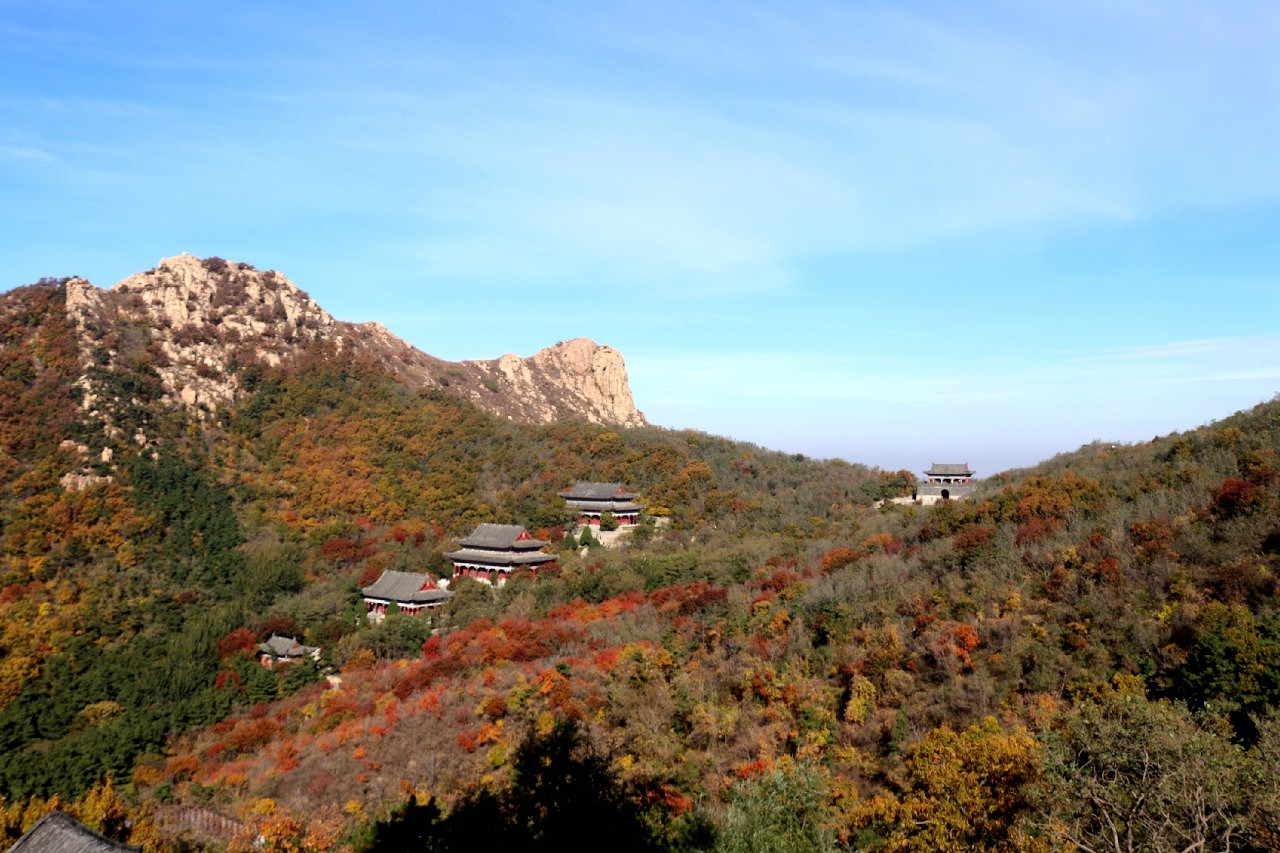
[984, 232]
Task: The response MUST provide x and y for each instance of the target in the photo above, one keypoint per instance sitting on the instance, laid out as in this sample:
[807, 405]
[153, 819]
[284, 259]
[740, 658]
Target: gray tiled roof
[283, 647]
[406, 587]
[500, 537]
[604, 506]
[59, 832]
[950, 469]
[599, 492]
[501, 558]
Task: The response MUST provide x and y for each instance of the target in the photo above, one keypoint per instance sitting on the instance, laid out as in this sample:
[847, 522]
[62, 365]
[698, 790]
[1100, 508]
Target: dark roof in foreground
[405, 586]
[599, 492]
[59, 832]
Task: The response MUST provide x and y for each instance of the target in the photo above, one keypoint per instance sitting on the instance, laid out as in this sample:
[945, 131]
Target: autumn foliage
[900, 677]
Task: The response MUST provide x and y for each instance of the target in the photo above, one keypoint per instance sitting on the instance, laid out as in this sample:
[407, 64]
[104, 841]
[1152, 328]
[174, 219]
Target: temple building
[279, 649]
[412, 593]
[946, 481]
[592, 500]
[493, 551]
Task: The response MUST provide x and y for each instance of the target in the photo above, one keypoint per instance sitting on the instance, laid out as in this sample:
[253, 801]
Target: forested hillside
[137, 571]
[1087, 653]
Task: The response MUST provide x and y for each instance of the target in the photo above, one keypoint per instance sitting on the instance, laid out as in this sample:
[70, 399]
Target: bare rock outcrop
[208, 317]
[575, 377]
[200, 323]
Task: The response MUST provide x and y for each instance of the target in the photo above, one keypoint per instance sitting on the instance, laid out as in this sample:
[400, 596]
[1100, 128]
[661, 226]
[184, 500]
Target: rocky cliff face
[200, 323]
[573, 376]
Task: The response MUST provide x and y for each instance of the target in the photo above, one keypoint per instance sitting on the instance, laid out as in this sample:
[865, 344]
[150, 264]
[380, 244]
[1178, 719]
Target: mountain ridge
[205, 321]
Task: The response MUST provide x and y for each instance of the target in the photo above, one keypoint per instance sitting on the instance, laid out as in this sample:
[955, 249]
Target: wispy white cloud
[690, 191]
[25, 154]
[1262, 348]
[712, 151]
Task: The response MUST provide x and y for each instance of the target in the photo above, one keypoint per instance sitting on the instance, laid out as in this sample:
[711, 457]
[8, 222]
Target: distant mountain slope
[202, 323]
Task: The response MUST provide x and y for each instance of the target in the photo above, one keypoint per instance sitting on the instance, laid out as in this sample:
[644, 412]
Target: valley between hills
[777, 656]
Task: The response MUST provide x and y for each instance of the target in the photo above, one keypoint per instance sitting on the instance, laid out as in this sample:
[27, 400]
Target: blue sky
[893, 233]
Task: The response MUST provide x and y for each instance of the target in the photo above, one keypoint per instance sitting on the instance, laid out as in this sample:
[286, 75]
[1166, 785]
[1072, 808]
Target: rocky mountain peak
[187, 291]
[200, 322]
[576, 374]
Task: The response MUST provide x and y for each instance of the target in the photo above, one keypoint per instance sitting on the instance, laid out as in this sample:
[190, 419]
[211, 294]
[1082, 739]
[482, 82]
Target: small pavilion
[592, 500]
[944, 482]
[493, 551]
[279, 649]
[412, 593]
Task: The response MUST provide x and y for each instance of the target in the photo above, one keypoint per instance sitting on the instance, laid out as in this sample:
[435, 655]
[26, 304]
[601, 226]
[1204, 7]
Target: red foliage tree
[282, 626]
[1233, 497]
[955, 642]
[1035, 530]
[370, 573]
[239, 641]
[973, 538]
[838, 558]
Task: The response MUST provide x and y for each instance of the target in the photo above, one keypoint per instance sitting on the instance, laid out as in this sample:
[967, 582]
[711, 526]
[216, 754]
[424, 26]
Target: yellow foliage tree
[965, 791]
